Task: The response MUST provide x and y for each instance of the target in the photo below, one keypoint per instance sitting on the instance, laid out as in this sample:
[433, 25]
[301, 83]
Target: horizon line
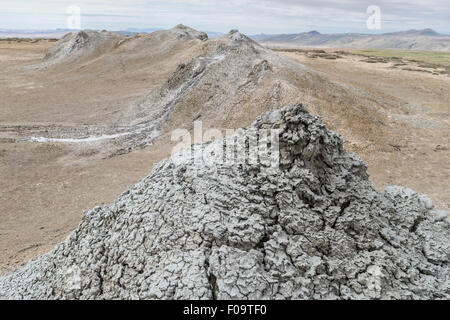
[136, 30]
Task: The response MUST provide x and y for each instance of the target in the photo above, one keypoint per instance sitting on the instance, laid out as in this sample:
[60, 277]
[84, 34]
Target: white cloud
[251, 16]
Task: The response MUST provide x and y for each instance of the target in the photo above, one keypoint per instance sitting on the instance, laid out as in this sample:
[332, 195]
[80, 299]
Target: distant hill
[60, 33]
[141, 30]
[426, 39]
[126, 33]
[45, 34]
[214, 34]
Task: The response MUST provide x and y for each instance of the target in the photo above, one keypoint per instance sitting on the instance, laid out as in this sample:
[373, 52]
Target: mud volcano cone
[311, 228]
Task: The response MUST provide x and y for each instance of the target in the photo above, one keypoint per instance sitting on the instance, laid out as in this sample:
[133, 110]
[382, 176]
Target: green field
[430, 59]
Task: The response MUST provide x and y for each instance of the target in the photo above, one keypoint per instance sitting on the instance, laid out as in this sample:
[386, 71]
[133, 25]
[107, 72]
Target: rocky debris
[311, 228]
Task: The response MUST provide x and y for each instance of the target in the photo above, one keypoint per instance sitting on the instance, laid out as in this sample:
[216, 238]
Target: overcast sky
[249, 16]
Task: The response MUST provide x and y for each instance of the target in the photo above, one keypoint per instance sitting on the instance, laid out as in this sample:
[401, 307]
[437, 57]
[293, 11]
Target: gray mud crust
[314, 228]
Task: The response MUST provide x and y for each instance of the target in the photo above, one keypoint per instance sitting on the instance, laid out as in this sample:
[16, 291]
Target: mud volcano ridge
[312, 229]
[214, 78]
[225, 82]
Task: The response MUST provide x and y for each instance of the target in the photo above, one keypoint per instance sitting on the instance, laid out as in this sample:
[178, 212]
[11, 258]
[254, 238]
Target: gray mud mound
[89, 44]
[80, 45]
[311, 228]
[183, 31]
[230, 70]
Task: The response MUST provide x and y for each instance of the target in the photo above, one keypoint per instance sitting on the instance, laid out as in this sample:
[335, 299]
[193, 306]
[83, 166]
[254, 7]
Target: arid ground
[419, 160]
[45, 186]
